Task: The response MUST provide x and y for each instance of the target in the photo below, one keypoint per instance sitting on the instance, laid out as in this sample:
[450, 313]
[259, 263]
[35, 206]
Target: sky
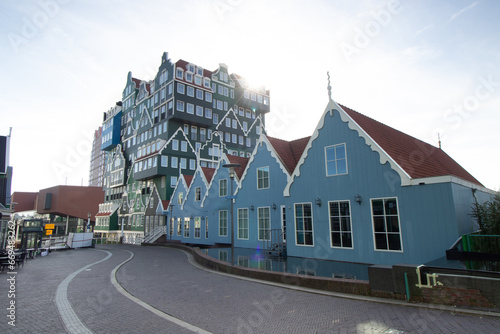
[430, 69]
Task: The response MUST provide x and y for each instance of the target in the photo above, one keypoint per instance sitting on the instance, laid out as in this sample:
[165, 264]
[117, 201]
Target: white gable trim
[384, 157]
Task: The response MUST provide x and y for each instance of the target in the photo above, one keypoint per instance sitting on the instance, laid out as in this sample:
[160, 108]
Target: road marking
[148, 307]
[70, 319]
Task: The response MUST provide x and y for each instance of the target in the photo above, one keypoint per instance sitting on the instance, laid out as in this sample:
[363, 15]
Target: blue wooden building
[365, 192]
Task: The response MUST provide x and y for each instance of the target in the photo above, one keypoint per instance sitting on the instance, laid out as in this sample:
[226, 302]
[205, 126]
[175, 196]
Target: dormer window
[179, 73]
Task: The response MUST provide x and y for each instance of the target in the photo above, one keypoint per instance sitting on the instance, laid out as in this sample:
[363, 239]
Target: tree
[488, 215]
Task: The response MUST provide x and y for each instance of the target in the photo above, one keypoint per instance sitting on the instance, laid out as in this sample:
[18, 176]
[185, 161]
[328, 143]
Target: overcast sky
[422, 67]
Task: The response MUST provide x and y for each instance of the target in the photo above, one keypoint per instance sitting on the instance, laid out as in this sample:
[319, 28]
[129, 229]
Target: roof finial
[329, 87]
[439, 140]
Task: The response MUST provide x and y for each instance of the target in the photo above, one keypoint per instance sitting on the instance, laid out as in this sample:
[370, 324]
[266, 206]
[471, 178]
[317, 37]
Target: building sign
[49, 226]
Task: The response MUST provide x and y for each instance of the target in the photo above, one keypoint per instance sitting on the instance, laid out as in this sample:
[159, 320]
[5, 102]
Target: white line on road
[70, 319]
[148, 307]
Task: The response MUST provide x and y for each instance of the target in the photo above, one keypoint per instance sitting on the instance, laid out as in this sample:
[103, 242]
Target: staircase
[153, 235]
[274, 244]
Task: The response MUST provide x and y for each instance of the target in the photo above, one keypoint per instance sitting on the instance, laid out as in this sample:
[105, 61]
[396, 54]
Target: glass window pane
[378, 207]
[336, 240]
[346, 224]
[394, 241]
[330, 153]
[391, 207]
[341, 166]
[379, 224]
[392, 224]
[346, 240]
[331, 168]
[380, 241]
[340, 152]
[335, 221]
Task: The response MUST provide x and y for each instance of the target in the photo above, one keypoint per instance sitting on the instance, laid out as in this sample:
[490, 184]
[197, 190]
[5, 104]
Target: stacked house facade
[186, 117]
[355, 191]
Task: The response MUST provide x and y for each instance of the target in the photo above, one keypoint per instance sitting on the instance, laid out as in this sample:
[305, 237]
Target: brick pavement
[163, 278]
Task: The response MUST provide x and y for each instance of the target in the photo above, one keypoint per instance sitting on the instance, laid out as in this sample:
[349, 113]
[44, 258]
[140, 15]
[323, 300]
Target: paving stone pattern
[163, 278]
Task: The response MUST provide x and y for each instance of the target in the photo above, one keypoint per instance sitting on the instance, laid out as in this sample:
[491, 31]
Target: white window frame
[326, 161]
[268, 177]
[340, 222]
[386, 233]
[295, 224]
[247, 229]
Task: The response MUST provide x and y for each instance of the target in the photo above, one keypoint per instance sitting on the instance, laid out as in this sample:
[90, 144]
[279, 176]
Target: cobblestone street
[157, 290]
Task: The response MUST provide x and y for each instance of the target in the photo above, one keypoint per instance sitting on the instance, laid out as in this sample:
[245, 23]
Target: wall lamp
[358, 199]
[274, 206]
[318, 201]
[252, 208]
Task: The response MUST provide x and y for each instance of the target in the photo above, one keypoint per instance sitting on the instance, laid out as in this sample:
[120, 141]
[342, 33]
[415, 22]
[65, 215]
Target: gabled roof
[289, 151]
[188, 179]
[209, 173]
[238, 160]
[417, 158]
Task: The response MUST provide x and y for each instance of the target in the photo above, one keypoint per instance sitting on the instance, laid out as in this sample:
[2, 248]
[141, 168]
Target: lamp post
[231, 168]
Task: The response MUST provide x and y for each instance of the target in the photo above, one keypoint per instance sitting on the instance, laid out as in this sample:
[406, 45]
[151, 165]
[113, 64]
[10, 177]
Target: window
[197, 227]
[186, 227]
[303, 224]
[246, 94]
[263, 217]
[243, 223]
[179, 226]
[208, 113]
[199, 111]
[263, 178]
[208, 96]
[190, 91]
[223, 188]
[253, 96]
[179, 198]
[183, 163]
[206, 82]
[197, 80]
[179, 73]
[199, 94]
[174, 162]
[190, 108]
[186, 129]
[216, 118]
[336, 162]
[223, 223]
[340, 224]
[180, 88]
[175, 144]
[192, 164]
[194, 133]
[184, 146]
[249, 142]
[241, 111]
[235, 124]
[180, 106]
[173, 181]
[197, 194]
[228, 122]
[386, 227]
[203, 134]
[189, 77]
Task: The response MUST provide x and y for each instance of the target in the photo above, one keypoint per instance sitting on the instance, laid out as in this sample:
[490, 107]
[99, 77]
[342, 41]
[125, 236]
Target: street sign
[49, 226]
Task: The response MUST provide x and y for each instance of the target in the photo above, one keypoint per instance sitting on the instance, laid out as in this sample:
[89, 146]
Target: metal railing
[273, 242]
[153, 235]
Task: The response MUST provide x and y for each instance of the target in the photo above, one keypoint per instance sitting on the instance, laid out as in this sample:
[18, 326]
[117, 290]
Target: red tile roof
[209, 173]
[289, 151]
[238, 160]
[188, 179]
[417, 158]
